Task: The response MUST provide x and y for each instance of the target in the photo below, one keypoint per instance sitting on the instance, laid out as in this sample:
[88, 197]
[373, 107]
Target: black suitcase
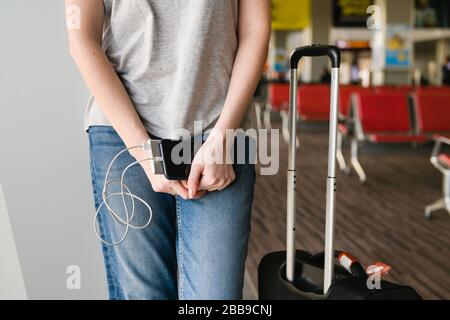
[298, 275]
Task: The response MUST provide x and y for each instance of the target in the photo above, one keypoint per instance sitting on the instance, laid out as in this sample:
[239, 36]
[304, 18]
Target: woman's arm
[107, 88]
[254, 36]
[99, 75]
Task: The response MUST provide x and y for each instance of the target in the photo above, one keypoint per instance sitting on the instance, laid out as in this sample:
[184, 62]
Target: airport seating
[441, 161]
[314, 102]
[381, 118]
[432, 110]
[278, 96]
[391, 122]
[433, 89]
[393, 89]
[345, 95]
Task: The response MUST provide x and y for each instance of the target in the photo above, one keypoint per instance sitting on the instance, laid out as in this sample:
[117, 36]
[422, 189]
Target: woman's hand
[163, 185]
[211, 168]
[159, 182]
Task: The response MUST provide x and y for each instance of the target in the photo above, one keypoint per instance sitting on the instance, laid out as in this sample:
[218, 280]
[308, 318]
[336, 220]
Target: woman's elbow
[80, 46]
[74, 48]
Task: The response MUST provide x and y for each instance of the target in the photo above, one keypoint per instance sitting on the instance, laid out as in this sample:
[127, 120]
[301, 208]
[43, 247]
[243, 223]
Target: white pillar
[392, 12]
[321, 24]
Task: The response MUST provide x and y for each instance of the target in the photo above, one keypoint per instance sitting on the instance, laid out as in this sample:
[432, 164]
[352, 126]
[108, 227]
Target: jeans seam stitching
[180, 251]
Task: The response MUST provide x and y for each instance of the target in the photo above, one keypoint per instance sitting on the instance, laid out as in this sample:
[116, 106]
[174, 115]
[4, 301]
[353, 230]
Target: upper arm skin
[254, 18]
[91, 22]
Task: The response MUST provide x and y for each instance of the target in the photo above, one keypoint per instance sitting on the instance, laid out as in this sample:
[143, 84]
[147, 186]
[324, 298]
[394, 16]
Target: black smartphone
[178, 168]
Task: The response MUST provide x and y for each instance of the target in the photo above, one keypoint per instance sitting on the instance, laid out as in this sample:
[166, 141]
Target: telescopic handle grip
[316, 50]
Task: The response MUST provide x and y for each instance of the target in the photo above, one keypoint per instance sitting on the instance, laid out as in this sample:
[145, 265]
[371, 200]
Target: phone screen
[180, 169]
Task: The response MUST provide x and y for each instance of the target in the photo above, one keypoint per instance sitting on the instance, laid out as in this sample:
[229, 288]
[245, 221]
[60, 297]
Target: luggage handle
[334, 54]
[316, 50]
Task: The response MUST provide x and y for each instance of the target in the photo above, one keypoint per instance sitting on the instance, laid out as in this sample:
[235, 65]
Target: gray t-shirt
[175, 59]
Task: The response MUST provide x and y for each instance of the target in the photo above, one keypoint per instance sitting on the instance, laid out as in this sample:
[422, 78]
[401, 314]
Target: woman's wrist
[135, 137]
[223, 139]
[140, 154]
[135, 143]
[224, 125]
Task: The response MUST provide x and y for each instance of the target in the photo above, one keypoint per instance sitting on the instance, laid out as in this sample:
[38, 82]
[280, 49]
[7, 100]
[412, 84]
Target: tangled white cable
[124, 192]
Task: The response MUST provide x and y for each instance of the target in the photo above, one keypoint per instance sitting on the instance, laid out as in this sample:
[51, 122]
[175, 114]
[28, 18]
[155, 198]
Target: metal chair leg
[435, 206]
[266, 119]
[446, 189]
[355, 161]
[443, 203]
[285, 125]
[340, 155]
[258, 111]
[285, 128]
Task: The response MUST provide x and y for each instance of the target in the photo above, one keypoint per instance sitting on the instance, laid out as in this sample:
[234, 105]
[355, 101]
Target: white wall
[11, 277]
[44, 163]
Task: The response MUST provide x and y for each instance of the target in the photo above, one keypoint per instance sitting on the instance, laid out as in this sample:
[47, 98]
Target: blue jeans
[192, 249]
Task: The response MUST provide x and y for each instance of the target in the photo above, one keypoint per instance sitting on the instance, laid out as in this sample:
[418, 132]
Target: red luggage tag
[378, 268]
[353, 266]
[346, 261]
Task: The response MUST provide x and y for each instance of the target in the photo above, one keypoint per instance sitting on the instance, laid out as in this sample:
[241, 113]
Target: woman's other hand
[211, 169]
[159, 182]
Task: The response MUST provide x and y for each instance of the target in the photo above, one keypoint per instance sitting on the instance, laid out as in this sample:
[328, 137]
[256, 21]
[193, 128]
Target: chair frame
[444, 202]
[358, 138]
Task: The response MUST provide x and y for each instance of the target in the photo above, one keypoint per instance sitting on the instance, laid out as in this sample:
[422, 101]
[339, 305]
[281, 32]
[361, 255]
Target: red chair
[385, 89]
[345, 95]
[432, 112]
[314, 102]
[405, 89]
[381, 118]
[278, 96]
[433, 90]
[278, 101]
[442, 162]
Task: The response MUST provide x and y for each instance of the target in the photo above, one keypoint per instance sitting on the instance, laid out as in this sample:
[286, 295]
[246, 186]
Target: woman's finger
[185, 184]
[178, 188]
[210, 185]
[194, 179]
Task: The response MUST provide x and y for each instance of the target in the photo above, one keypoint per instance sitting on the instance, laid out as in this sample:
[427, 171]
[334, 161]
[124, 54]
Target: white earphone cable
[124, 192]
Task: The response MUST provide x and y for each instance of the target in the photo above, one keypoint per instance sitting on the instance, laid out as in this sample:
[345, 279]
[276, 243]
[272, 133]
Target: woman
[154, 67]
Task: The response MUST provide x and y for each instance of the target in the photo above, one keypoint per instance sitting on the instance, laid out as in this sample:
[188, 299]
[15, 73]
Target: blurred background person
[426, 16]
[326, 76]
[355, 75]
[446, 72]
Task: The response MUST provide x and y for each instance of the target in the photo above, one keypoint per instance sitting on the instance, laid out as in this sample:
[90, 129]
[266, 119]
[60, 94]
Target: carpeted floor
[380, 221]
